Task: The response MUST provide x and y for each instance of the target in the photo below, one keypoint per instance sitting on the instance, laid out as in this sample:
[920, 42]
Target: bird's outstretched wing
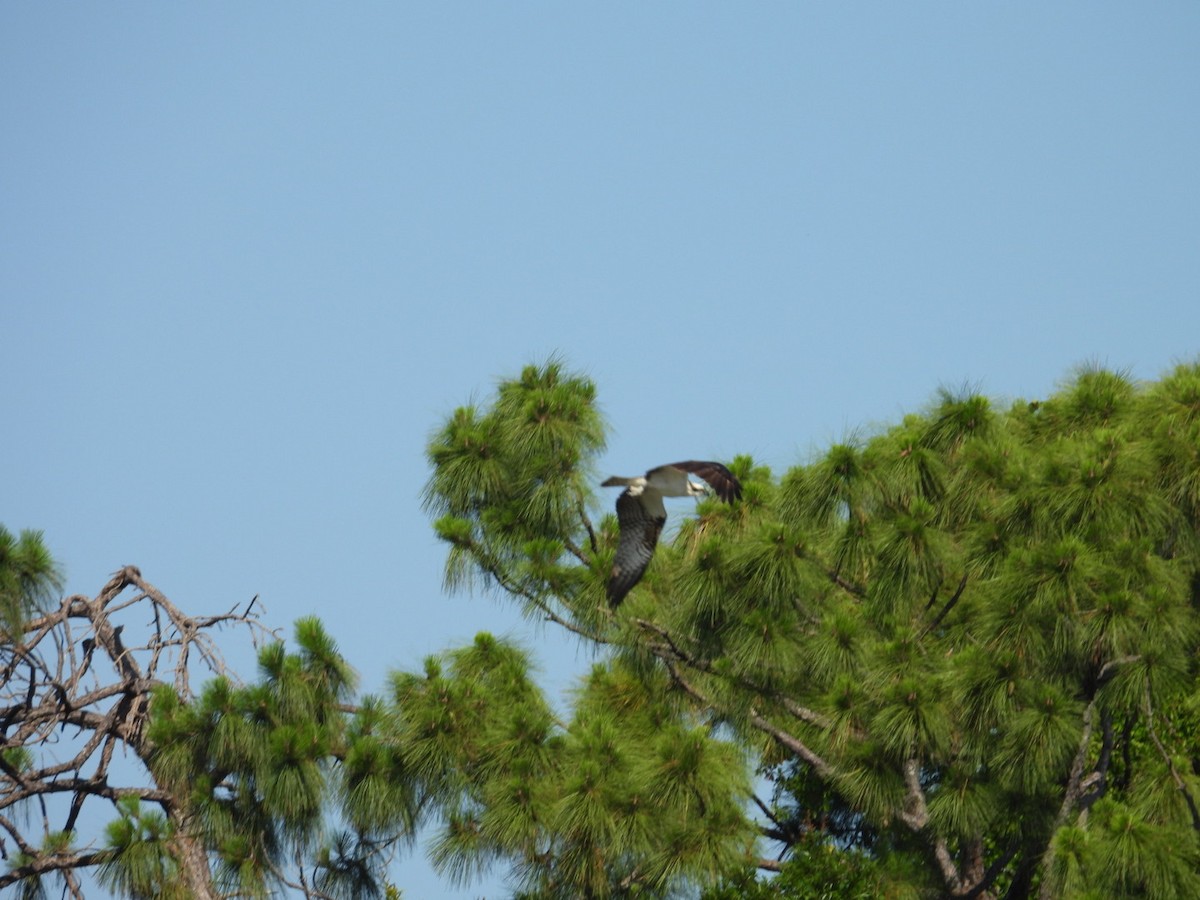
[639, 536]
[719, 478]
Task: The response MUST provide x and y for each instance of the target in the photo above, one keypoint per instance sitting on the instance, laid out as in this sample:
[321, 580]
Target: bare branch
[44, 863]
[72, 667]
[766, 811]
[803, 713]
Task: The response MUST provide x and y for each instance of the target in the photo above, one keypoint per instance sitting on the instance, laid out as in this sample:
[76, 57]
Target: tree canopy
[955, 657]
[960, 651]
[221, 789]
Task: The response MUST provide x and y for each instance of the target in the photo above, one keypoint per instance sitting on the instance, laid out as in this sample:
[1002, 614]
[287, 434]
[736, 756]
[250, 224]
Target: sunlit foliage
[961, 648]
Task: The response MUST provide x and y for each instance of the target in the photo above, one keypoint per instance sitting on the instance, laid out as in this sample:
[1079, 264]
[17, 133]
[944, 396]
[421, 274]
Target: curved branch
[60, 675]
[42, 864]
[670, 655]
[803, 713]
[491, 567]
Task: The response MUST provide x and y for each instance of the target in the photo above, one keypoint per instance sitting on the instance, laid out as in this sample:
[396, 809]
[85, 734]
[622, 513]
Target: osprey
[641, 514]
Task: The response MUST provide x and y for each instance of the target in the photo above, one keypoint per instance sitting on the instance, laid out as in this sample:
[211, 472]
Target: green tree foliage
[511, 484]
[137, 865]
[959, 655]
[815, 870]
[29, 578]
[258, 767]
[237, 790]
[961, 651]
[626, 798]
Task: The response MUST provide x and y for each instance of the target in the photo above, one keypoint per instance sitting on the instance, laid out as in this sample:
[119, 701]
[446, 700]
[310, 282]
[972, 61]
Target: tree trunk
[193, 862]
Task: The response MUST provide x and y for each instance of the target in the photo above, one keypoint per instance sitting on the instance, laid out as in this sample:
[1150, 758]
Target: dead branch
[75, 691]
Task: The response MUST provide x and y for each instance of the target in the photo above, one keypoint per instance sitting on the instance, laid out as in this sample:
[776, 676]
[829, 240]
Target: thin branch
[492, 567]
[916, 816]
[1180, 784]
[847, 586]
[766, 811]
[949, 606]
[587, 524]
[803, 713]
[310, 891]
[60, 674]
[819, 765]
[793, 743]
[43, 863]
[575, 551]
[933, 595]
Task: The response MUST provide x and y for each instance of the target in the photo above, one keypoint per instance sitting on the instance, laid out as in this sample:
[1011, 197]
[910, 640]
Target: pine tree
[232, 789]
[958, 654]
[29, 578]
[960, 649]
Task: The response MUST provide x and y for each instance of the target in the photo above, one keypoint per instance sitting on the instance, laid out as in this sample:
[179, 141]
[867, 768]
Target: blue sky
[250, 255]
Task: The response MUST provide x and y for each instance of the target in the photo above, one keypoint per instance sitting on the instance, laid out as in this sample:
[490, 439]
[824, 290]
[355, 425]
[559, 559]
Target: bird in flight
[641, 514]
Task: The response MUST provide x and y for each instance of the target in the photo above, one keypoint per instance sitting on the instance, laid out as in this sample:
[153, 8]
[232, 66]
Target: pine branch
[1075, 779]
[1096, 784]
[634, 877]
[849, 587]
[766, 811]
[823, 769]
[793, 743]
[950, 604]
[992, 873]
[42, 864]
[784, 832]
[575, 551]
[587, 524]
[492, 567]
[301, 883]
[916, 817]
[803, 713]
[1180, 784]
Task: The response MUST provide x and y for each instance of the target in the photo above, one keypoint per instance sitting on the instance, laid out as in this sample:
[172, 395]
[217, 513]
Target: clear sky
[250, 254]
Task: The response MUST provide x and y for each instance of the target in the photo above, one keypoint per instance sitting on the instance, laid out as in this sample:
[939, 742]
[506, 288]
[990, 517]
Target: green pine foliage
[29, 577]
[956, 657]
[510, 482]
[140, 863]
[626, 797]
[961, 650]
[262, 768]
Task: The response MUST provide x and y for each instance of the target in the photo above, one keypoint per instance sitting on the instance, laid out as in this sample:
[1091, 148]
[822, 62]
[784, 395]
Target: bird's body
[641, 514]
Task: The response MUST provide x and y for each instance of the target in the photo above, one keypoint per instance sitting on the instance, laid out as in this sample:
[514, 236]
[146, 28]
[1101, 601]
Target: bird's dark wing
[719, 478]
[639, 536]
